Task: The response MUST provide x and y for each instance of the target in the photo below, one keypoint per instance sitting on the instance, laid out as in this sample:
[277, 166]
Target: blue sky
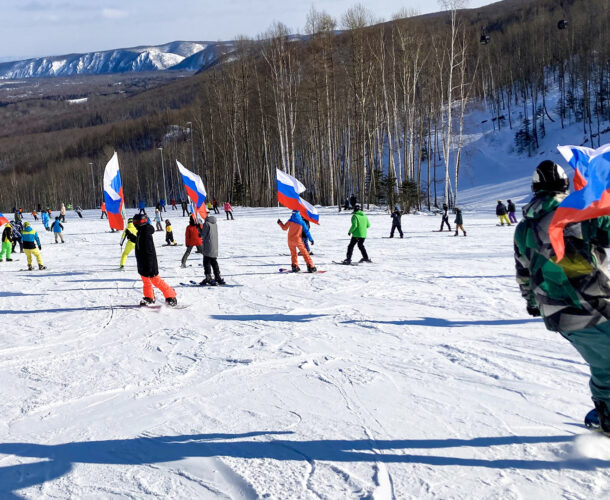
[31, 28]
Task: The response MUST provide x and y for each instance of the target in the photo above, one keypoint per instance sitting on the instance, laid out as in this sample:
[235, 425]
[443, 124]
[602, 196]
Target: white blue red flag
[3, 219]
[591, 198]
[289, 192]
[194, 189]
[113, 194]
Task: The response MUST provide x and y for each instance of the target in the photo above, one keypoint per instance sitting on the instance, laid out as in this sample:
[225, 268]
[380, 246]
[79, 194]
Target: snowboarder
[215, 205]
[57, 230]
[148, 267]
[396, 215]
[511, 212]
[184, 206]
[79, 211]
[501, 212]
[296, 227]
[572, 295]
[35, 214]
[360, 225]
[209, 238]
[228, 210]
[162, 203]
[445, 219]
[169, 234]
[7, 243]
[18, 216]
[45, 220]
[459, 221]
[352, 201]
[129, 246]
[31, 243]
[142, 207]
[192, 238]
[62, 213]
[158, 225]
[17, 230]
[103, 209]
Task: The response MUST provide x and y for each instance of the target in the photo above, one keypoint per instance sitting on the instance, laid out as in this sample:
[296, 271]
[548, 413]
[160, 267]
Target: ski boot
[207, 280]
[9, 260]
[347, 262]
[30, 268]
[147, 301]
[121, 268]
[455, 234]
[171, 301]
[602, 412]
[369, 261]
[295, 268]
[219, 281]
[41, 267]
[311, 269]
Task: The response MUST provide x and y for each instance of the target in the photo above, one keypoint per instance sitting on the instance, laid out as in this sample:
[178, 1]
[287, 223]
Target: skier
[103, 209]
[360, 224]
[572, 295]
[62, 213]
[501, 213]
[215, 205]
[45, 220]
[148, 267]
[445, 218]
[158, 225]
[296, 227]
[192, 238]
[184, 206]
[169, 234]
[129, 246]
[57, 230]
[396, 215]
[228, 210]
[7, 243]
[209, 238]
[459, 221]
[511, 212]
[31, 243]
[79, 211]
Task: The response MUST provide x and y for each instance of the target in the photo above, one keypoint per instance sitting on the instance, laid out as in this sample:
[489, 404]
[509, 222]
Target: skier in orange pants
[297, 228]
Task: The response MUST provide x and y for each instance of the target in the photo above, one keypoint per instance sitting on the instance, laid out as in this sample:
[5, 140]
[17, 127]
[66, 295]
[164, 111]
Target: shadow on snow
[445, 323]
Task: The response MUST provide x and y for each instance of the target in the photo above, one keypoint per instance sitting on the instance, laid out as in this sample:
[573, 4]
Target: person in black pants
[396, 215]
[184, 206]
[445, 218]
[209, 238]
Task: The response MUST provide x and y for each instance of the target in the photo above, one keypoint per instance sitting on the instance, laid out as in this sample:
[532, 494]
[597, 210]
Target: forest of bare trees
[356, 106]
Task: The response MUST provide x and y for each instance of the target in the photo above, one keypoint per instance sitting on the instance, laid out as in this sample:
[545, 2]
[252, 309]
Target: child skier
[296, 227]
[209, 238]
[148, 267]
[129, 246]
[396, 224]
[57, 230]
[360, 225]
[32, 246]
[459, 221]
[192, 238]
[169, 234]
[501, 213]
[7, 243]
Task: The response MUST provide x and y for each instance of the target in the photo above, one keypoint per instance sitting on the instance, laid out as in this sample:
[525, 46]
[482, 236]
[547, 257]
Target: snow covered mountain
[189, 56]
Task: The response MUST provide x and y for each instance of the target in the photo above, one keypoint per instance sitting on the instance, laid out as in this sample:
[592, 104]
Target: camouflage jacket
[574, 293]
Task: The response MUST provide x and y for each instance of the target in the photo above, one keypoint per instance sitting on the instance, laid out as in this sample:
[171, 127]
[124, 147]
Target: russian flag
[591, 199]
[113, 193]
[289, 190]
[194, 189]
[3, 219]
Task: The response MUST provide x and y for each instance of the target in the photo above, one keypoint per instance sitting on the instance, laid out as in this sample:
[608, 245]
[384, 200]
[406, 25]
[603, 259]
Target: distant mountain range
[185, 56]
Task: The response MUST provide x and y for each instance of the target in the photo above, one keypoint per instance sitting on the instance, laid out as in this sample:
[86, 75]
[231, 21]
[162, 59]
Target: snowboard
[342, 264]
[177, 245]
[196, 284]
[156, 307]
[286, 271]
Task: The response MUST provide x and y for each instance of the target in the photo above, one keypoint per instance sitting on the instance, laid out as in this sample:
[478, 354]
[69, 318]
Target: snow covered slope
[419, 376]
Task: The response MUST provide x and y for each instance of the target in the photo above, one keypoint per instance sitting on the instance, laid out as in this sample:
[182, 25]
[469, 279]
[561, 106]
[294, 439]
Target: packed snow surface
[417, 376]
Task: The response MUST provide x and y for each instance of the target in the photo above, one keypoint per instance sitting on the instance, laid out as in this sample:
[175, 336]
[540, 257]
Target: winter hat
[550, 177]
[499, 201]
[140, 219]
[26, 224]
[130, 221]
[396, 207]
[167, 223]
[356, 207]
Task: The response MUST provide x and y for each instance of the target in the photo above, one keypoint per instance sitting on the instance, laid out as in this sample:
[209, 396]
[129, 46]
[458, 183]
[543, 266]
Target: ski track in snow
[419, 376]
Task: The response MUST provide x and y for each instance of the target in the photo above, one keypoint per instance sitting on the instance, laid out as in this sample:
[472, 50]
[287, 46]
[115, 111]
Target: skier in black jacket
[146, 257]
[396, 224]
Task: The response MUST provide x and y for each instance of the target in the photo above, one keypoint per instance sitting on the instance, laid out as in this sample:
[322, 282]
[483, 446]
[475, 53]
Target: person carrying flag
[148, 268]
[129, 246]
[32, 246]
[296, 227]
[572, 294]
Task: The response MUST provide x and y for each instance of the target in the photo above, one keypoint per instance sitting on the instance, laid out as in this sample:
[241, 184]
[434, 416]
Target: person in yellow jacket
[31, 246]
[129, 246]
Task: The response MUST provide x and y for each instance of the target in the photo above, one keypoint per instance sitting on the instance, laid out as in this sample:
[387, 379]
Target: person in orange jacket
[192, 239]
[296, 228]
[103, 209]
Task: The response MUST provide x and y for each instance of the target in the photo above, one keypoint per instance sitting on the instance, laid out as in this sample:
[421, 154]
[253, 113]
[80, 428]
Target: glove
[279, 221]
[533, 311]
[349, 234]
[39, 247]
[311, 242]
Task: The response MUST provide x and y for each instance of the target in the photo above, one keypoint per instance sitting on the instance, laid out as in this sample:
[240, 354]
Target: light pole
[163, 172]
[92, 183]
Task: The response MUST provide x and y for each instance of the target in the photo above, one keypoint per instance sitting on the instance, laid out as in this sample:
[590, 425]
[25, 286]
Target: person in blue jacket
[45, 220]
[57, 230]
[296, 228]
[32, 246]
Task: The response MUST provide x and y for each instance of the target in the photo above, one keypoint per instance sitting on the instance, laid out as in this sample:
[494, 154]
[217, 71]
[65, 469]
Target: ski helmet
[550, 177]
[139, 219]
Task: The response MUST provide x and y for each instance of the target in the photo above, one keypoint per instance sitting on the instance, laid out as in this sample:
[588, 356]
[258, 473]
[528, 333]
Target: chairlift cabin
[562, 24]
[484, 39]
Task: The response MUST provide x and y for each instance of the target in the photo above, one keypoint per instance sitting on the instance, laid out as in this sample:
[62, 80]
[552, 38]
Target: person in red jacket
[192, 239]
[103, 209]
[228, 210]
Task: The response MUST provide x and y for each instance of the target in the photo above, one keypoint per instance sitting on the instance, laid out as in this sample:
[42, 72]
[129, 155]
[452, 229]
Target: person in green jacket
[572, 295]
[459, 221]
[360, 224]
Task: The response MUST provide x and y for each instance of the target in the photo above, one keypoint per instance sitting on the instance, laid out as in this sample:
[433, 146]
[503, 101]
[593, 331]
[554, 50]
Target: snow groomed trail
[418, 376]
